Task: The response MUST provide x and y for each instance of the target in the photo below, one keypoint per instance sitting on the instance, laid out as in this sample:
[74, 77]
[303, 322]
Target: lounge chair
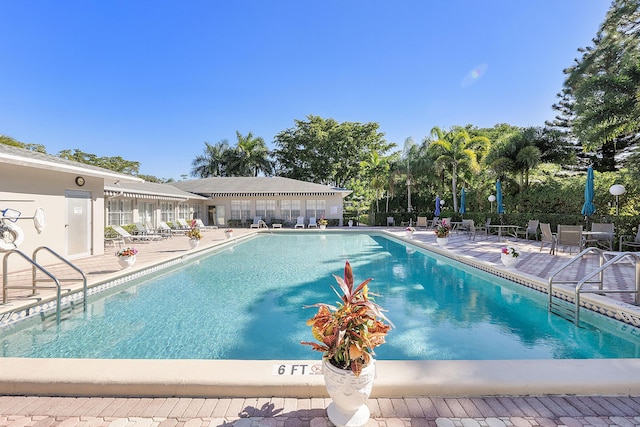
[131, 238]
[183, 224]
[201, 225]
[422, 222]
[532, 228]
[546, 236]
[256, 222]
[312, 222]
[300, 222]
[626, 242]
[569, 235]
[141, 230]
[601, 235]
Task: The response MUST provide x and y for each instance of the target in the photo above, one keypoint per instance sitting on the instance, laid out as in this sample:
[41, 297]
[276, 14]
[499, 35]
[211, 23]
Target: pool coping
[241, 378]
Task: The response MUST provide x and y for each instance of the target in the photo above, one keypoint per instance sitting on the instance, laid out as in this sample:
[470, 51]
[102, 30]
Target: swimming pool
[245, 302]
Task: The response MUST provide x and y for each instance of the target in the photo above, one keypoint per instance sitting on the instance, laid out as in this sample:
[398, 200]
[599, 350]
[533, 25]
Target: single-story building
[235, 201]
[74, 202]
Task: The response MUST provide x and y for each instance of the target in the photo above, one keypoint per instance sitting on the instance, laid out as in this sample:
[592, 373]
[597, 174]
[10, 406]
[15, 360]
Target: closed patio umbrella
[588, 208]
[500, 208]
[437, 212]
[462, 202]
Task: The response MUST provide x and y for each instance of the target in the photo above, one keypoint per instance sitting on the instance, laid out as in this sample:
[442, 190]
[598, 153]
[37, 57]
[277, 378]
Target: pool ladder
[570, 311]
[35, 267]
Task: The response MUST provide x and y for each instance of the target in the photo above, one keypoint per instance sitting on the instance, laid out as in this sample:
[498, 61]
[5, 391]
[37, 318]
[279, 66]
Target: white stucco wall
[26, 189]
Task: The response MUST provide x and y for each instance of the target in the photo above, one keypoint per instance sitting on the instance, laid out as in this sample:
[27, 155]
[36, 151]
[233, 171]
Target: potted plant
[347, 334]
[322, 223]
[194, 235]
[409, 232]
[228, 233]
[442, 234]
[126, 256]
[509, 256]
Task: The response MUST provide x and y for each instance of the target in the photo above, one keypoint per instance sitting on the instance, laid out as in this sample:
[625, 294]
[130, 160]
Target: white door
[78, 225]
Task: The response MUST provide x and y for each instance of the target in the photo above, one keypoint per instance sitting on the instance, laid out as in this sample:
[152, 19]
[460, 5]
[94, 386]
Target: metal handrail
[603, 265]
[566, 265]
[617, 258]
[35, 265]
[66, 261]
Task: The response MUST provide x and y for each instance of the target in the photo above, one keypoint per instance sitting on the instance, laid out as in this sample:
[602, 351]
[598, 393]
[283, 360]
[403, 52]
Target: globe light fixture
[617, 190]
[491, 199]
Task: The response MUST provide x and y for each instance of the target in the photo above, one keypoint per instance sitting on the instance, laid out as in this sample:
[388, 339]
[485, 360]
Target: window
[266, 209]
[315, 208]
[196, 211]
[290, 209]
[167, 213]
[240, 209]
[183, 211]
[120, 212]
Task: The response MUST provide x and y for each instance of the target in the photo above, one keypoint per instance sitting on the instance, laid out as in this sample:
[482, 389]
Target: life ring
[11, 236]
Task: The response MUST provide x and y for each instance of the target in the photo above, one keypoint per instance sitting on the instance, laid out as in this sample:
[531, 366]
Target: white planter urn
[126, 261]
[349, 394]
[508, 260]
[323, 226]
[229, 234]
[442, 241]
[194, 243]
[409, 234]
[350, 223]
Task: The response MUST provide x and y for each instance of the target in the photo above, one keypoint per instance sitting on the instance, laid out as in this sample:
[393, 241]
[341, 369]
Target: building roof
[20, 156]
[149, 190]
[257, 186]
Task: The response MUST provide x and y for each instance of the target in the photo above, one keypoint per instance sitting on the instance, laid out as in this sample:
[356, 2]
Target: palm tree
[376, 168]
[250, 157]
[212, 161]
[518, 155]
[456, 151]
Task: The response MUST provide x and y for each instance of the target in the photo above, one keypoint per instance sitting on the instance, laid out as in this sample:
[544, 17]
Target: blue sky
[151, 81]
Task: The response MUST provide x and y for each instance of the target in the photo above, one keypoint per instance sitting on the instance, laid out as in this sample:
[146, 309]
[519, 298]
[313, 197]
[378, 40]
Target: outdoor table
[455, 225]
[598, 237]
[500, 227]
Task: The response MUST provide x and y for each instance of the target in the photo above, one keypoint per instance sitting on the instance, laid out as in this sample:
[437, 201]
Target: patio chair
[474, 231]
[626, 242]
[604, 236]
[569, 235]
[256, 222]
[422, 222]
[434, 222]
[546, 236]
[312, 222]
[391, 221]
[532, 228]
[464, 227]
[300, 222]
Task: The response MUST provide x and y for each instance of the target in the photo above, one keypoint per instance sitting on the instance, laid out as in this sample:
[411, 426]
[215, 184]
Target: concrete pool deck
[397, 394]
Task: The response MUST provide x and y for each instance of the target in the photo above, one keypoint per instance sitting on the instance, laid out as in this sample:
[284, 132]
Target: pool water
[246, 302]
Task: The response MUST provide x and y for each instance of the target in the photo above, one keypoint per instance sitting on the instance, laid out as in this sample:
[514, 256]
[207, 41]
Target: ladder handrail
[566, 265]
[614, 260]
[69, 263]
[35, 265]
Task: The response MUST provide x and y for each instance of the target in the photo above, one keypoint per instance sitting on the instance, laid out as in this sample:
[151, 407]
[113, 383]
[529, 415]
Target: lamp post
[408, 195]
[491, 199]
[617, 190]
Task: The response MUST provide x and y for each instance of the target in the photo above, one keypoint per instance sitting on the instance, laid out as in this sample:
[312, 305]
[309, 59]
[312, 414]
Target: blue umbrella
[437, 213]
[588, 208]
[499, 209]
[462, 201]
